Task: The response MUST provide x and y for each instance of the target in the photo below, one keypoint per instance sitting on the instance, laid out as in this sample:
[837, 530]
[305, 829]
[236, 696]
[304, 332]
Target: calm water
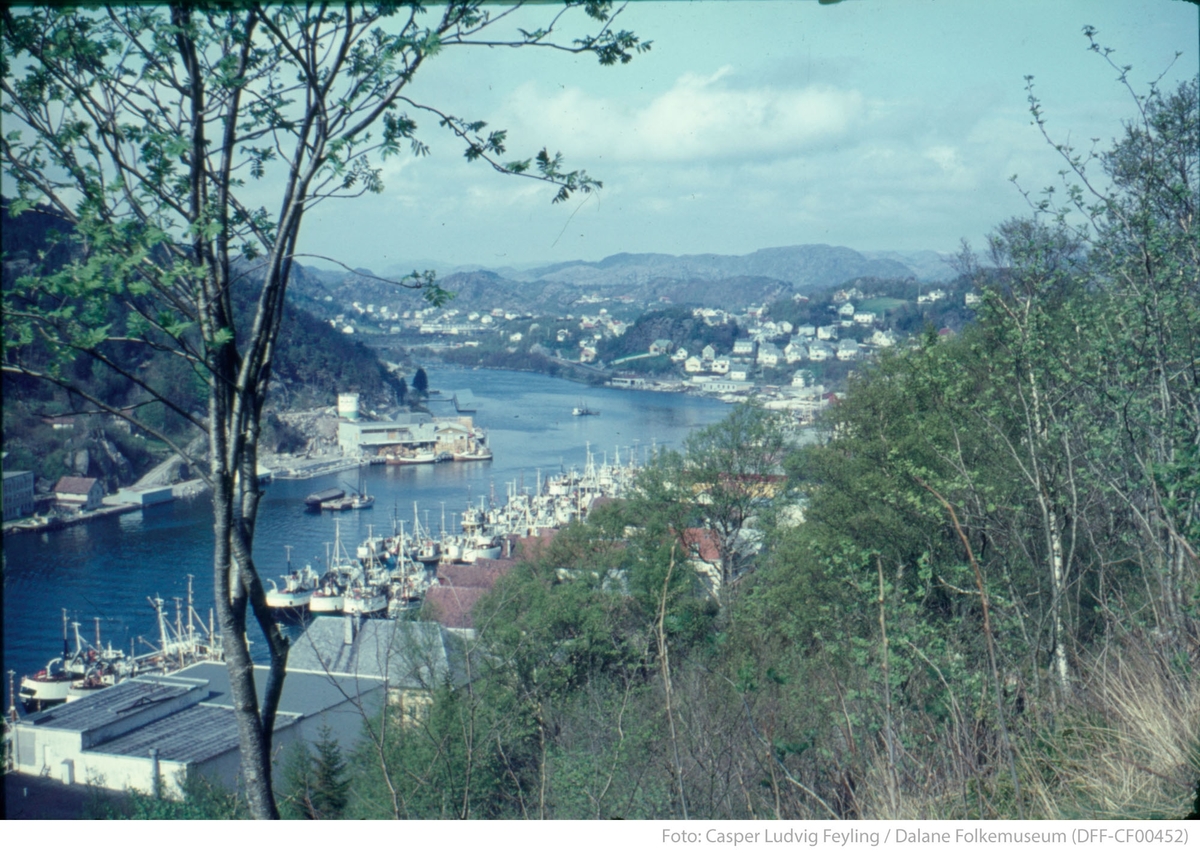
[108, 568]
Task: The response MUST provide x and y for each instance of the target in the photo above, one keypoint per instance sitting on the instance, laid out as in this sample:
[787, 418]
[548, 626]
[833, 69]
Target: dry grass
[1126, 745]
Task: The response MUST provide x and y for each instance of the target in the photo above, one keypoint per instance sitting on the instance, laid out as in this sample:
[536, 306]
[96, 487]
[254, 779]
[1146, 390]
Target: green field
[881, 305]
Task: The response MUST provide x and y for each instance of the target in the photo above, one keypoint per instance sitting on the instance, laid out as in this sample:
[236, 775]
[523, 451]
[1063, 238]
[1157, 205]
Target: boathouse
[78, 493]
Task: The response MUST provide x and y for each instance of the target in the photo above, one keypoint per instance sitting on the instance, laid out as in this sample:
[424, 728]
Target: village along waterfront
[108, 568]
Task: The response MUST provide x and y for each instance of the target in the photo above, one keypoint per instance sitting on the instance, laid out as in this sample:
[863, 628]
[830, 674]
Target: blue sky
[875, 124]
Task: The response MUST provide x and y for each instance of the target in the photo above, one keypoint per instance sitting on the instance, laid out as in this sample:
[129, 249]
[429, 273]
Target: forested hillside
[976, 597]
[314, 362]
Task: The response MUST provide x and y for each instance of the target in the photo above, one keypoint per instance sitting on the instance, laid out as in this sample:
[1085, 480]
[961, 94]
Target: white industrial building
[158, 729]
[18, 494]
[407, 431]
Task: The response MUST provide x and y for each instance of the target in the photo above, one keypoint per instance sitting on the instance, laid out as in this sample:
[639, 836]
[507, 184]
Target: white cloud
[698, 118]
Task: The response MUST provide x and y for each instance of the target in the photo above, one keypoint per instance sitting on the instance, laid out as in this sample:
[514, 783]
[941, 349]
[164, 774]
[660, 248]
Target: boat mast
[157, 604]
[191, 610]
[12, 697]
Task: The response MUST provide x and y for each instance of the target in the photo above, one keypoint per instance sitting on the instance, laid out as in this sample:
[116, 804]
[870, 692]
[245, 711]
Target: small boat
[582, 410]
[476, 453]
[412, 457]
[360, 499]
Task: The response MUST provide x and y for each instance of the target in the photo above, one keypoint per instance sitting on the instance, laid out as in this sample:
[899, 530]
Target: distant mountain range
[725, 281]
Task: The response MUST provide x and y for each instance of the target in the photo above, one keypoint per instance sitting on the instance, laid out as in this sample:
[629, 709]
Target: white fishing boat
[298, 587]
[329, 598]
[330, 595]
[360, 499]
[365, 600]
[94, 667]
[48, 687]
[413, 456]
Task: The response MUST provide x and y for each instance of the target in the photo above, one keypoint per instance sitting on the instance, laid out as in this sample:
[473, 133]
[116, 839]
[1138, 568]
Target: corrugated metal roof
[304, 694]
[194, 734]
[417, 655]
[107, 706]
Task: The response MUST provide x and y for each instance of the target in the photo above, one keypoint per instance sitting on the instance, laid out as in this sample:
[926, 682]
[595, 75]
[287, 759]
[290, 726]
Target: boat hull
[326, 604]
[365, 605]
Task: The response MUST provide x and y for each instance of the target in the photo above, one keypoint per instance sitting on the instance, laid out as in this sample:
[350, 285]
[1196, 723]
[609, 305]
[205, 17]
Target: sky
[873, 124]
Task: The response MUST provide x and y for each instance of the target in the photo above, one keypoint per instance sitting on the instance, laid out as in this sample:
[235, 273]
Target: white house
[827, 333]
[847, 350]
[708, 353]
[795, 351]
[820, 352]
[82, 493]
[864, 318]
[769, 355]
[720, 365]
[692, 364]
[744, 346]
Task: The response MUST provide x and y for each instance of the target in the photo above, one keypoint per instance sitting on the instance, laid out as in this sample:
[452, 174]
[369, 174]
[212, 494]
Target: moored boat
[317, 499]
[293, 598]
[365, 600]
[328, 599]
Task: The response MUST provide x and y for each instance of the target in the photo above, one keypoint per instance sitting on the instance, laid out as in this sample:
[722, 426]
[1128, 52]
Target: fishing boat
[291, 601]
[582, 410]
[365, 599]
[330, 595]
[475, 452]
[360, 499]
[414, 456]
[48, 687]
[95, 667]
[328, 598]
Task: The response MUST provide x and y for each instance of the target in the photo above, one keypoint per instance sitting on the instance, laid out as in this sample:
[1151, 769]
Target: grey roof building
[406, 655]
[167, 727]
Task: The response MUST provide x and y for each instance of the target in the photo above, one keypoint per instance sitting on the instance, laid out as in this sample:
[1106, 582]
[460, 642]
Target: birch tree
[148, 131]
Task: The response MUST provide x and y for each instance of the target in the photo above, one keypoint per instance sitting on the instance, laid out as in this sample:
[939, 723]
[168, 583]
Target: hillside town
[754, 353]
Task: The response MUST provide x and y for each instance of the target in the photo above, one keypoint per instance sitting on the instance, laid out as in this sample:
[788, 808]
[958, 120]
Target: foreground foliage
[991, 608]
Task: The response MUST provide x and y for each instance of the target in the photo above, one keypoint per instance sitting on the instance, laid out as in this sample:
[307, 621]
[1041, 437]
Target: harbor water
[107, 568]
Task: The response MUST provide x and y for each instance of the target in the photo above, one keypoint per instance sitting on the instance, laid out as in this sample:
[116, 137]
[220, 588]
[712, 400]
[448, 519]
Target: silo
[347, 406]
